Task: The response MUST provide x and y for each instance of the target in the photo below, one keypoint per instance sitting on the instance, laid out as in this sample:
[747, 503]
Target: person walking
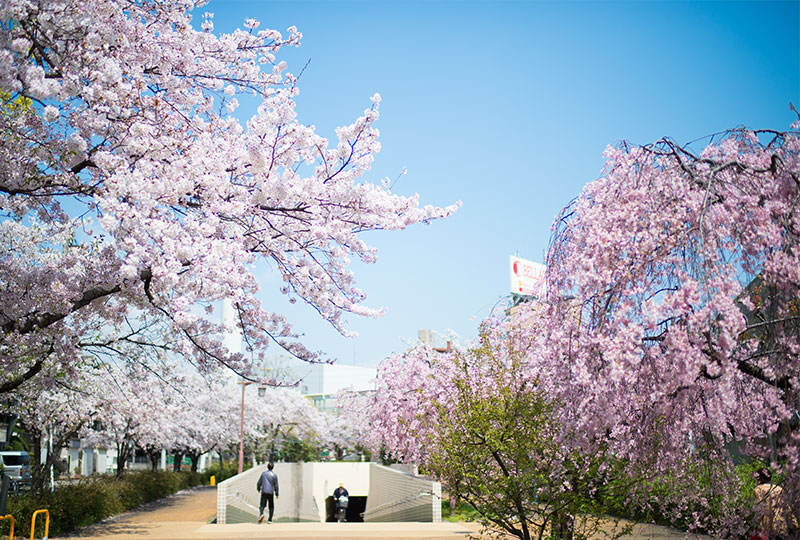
[268, 486]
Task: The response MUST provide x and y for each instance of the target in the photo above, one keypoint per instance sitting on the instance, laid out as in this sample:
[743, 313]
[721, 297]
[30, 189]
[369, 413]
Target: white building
[320, 382]
[85, 461]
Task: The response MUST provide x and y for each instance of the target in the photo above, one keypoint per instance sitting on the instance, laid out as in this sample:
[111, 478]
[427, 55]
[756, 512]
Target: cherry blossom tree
[669, 338]
[53, 417]
[672, 324]
[139, 410]
[210, 419]
[199, 418]
[406, 391]
[132, 201]
[346, 423]
[479, 422]
[133, 412]
[280, 416]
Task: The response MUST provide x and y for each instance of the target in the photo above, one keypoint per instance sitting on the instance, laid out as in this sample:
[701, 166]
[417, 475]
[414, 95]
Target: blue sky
[507, 107]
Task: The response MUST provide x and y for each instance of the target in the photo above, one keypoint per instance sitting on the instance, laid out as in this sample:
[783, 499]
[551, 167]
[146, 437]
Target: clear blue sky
[507, 107]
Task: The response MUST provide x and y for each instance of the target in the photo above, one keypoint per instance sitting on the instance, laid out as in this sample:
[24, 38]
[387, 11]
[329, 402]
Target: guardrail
[398, 502]
[9, 516]
[239, 497]
[46, 522]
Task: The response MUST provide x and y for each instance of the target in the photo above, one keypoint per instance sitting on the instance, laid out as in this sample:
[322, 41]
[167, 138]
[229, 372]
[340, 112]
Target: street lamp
[233, 342]
[262, 390]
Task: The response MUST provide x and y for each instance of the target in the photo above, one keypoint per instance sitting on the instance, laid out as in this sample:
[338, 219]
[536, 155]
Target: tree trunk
[39, 477]
[155, 457]
[123, 453]
[195, 457]
[177, 459]
[453, 499]
[563, 525]
[37, 468]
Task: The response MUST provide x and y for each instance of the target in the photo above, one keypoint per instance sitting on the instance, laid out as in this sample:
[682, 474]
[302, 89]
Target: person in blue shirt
[268, 486]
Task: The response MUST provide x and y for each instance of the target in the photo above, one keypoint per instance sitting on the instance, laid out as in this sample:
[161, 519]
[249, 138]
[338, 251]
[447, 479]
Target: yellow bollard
[11, 534]
[46, 522]
[213, 480]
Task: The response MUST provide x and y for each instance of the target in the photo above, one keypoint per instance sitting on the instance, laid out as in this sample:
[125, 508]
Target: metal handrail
[398, 502]
[238, 495]
[46, 522]
[9, 516]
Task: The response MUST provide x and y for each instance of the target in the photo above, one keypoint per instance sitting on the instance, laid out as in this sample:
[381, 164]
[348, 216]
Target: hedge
[93, 499]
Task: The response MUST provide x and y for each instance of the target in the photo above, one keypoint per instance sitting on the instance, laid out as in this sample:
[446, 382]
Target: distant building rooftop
[327, 379]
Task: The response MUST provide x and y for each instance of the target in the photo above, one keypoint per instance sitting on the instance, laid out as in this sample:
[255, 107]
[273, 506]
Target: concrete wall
[398, 496]
[304, 487]
[237, 498]
[296, 502]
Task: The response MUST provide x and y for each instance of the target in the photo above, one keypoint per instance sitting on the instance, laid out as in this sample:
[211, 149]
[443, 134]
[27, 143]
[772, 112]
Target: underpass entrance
[355, 509]
[377, 493]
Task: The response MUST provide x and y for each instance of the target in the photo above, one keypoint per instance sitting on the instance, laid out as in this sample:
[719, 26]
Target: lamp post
[233, 342]
[261, 391]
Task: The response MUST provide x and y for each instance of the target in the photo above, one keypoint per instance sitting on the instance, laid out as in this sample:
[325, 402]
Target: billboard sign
[527, 277]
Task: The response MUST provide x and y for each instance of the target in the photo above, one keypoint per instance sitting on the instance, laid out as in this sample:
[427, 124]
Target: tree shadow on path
[195, 505]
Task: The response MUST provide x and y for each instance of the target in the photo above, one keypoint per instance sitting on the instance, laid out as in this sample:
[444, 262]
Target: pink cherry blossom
[138, 203]
[671, 320]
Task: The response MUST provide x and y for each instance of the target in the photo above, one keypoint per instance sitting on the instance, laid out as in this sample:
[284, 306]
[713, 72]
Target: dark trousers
[267, 499]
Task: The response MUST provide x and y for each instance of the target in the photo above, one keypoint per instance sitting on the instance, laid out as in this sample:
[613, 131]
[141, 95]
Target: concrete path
[186, 516]
[182, 530]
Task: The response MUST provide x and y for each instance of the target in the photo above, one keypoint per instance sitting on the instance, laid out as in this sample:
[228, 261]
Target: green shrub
[220, 472]
[93, 499]
[463, 512]
[190, 479]
[70, 507]
[151, 486]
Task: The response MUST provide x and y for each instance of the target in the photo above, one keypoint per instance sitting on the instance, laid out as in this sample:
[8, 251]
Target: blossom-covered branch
[128, 187]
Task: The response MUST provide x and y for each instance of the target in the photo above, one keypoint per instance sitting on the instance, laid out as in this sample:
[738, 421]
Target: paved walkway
[186, 516]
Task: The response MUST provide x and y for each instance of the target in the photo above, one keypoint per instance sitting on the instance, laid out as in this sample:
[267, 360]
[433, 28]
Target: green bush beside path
[87, 501]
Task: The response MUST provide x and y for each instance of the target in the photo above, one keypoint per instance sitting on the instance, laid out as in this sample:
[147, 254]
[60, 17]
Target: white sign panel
[527, 277]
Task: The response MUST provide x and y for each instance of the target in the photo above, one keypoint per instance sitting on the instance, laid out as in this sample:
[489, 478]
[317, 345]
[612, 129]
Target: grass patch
[463, 512]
